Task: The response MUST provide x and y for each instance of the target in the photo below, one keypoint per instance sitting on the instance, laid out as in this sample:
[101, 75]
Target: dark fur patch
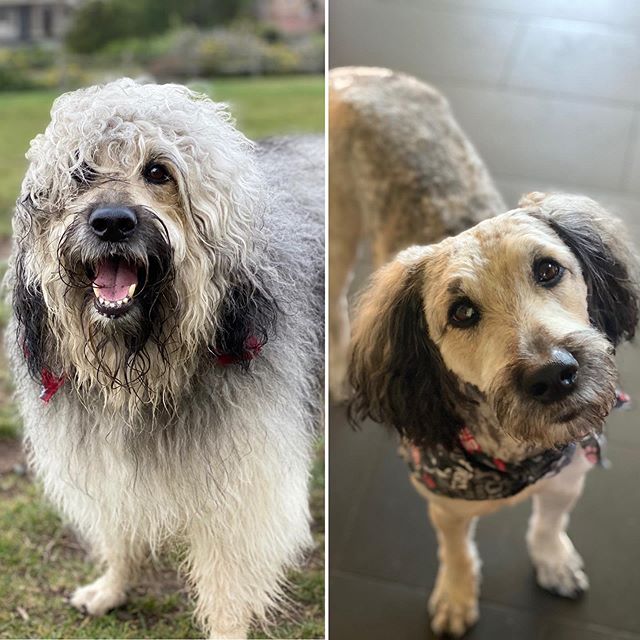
[397, 372]
[248, 311]
[31, 316]
[613, 298]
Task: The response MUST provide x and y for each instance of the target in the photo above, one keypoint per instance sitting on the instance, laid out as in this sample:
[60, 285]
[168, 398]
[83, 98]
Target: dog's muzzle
[115, 279]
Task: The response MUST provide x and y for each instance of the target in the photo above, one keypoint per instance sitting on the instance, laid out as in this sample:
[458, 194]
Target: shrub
[237, 51]
[225, 52]
[310, 53]
[96, 23]
[12, 79]
[280, 58]
[16, 66]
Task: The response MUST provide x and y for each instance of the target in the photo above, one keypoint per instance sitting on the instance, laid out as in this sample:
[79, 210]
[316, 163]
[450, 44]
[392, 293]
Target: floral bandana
[467, 473]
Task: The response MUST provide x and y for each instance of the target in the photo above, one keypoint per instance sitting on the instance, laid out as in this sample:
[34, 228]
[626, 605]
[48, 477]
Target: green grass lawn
[41, 562]
[262, 106]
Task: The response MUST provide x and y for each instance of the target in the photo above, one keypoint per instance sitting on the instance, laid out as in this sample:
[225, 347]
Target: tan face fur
[461, 331]
[520, 321]
[492, 265]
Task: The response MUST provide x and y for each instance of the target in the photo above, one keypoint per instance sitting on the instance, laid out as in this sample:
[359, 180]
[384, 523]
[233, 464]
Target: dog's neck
[481, 420]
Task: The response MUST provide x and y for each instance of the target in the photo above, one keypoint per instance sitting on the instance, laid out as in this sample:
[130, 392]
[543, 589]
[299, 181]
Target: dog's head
[135, 237]
[523, 312]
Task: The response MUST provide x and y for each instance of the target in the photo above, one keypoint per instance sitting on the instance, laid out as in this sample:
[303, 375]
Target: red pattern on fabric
[500, 465]
[467, 440]
[592, 454]
[429, 481]
[622, 398]
[252, 347]
[50, 384]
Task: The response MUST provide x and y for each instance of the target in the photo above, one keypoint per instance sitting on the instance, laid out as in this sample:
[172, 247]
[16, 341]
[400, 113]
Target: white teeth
[114, 303]
[132, 290]
[96, 291]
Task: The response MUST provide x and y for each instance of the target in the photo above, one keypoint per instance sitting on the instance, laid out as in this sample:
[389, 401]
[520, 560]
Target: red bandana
[252, 350]
[51, 383]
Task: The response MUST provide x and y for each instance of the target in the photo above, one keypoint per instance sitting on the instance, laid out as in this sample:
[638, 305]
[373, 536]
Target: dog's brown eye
[463, 314]
[156, 174]
[547, 272]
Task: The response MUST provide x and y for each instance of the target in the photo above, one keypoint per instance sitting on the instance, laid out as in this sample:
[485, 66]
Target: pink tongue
[113, 279]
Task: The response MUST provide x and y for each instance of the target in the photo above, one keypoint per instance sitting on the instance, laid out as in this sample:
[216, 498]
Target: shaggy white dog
[167, 287]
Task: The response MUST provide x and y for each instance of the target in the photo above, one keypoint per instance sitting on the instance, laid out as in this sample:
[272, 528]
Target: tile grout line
[349, 573]
[630, 153]
[625, 634]
[512, 55]
[611, 192]
[453, 7]
[542, 94]
[527, 92]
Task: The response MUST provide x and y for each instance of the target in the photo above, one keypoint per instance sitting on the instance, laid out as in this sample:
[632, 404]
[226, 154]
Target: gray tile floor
[549, 91]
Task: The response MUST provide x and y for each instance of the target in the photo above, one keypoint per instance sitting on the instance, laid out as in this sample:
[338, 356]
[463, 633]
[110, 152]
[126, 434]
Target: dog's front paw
[98, 597]
[452, 611]
[566, 579]
[559, 568]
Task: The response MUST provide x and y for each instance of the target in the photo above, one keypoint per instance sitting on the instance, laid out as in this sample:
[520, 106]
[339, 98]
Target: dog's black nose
[553, 381]
[113, 223]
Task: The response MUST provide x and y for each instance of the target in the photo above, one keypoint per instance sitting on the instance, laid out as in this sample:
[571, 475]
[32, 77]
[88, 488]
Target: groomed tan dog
[491, 353]
[401, 172]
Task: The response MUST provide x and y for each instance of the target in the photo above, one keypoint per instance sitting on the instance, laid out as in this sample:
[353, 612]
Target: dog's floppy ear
[26, 297]
[609, 264]
[31, 318]
[396, 371]
[248, 318]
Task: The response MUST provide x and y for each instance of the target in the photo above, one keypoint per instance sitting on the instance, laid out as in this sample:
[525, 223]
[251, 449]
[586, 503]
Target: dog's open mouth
[114, 285]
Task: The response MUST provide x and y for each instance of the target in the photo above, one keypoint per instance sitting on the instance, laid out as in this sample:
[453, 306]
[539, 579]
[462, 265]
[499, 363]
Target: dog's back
[401, 167]
[402, 172]
[294, 169]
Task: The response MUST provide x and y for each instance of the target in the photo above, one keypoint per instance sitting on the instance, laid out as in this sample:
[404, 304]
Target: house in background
[292, 17]
[27, 21]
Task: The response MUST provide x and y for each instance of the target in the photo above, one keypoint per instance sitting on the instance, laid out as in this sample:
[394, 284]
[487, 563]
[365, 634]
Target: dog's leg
[454, 602]
[558, 565]
[109, 591]
[344, 230]
[237, 572]
[222, 588]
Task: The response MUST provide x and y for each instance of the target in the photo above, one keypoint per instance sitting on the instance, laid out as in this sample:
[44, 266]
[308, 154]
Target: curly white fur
[189, 451]
[119, 126]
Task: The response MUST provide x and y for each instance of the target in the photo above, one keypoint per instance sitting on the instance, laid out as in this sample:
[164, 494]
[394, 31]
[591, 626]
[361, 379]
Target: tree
[98, 22]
